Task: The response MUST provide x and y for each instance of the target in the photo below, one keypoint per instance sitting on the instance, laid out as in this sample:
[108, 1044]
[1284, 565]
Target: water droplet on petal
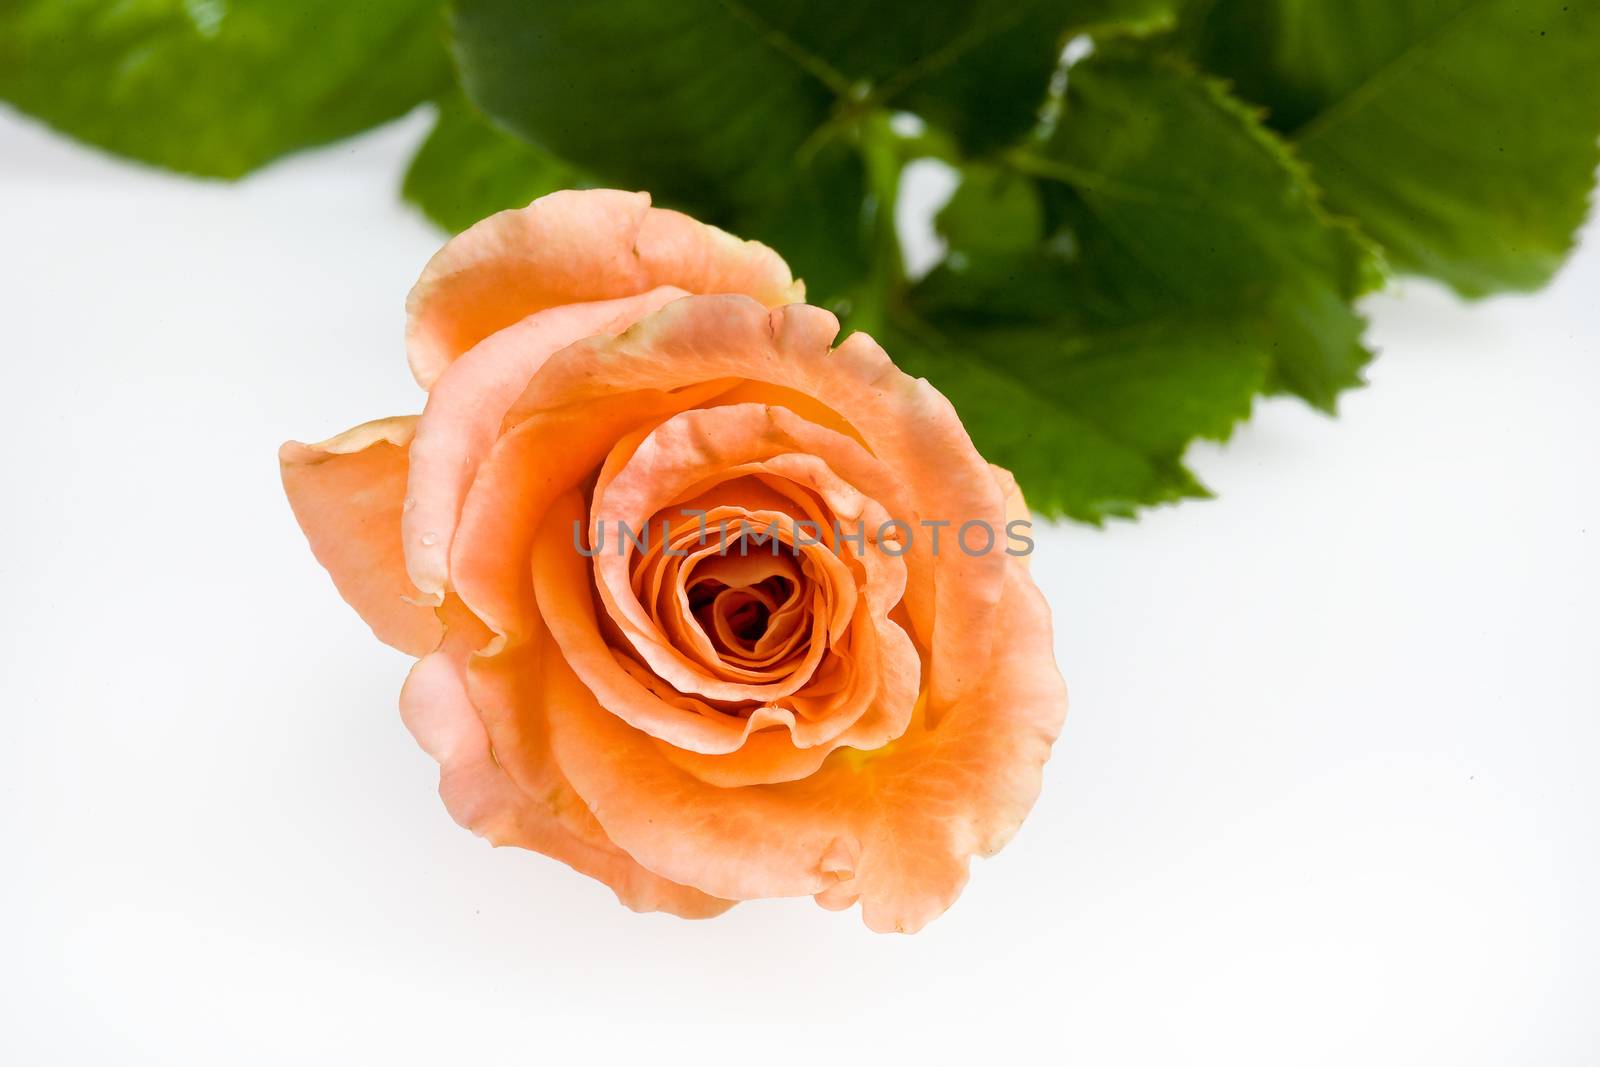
[410, 503]
[428, 539]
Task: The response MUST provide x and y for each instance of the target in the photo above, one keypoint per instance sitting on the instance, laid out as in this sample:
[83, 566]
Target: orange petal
[732, 441]
[903, 421]
[348, 494]
[564, 587]
[893, 828]
[675, 249]
[875, 716]
[1016, 511]
[673, 664]
[572, 247]
[481, 796]
[685, 633]
[465, 408]
[529, 466]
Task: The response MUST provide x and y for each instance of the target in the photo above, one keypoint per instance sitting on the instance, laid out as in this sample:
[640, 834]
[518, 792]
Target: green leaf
[1177, 197]
[1093, 424]
[987, 87]
[469, 168]
[1188, 268]
[1462, 134]
[217, 87]
[819, 219]
[692, 100]
[716, 102]
[995, 211]
[979, 71]
[750, 113]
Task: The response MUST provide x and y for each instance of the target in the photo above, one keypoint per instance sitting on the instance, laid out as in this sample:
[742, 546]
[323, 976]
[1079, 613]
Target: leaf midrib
[808, 61]
[943, 58]
[842, 84]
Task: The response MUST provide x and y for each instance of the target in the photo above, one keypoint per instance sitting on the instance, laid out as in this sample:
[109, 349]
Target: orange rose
[707, 608]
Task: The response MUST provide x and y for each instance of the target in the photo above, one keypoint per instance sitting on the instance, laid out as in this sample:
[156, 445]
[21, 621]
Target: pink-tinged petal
[903, 421]
[531, 464]
[348, 493]
[730, 442]
[466, 406]
[564, 586]
[570, 247]
[772, 756]
[479, 794]
[565, 590]
[893, 828]
[677, 250]
[1016, 512]
[682, 671]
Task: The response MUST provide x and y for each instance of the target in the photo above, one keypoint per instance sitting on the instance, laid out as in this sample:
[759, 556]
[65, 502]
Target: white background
[1326, 795]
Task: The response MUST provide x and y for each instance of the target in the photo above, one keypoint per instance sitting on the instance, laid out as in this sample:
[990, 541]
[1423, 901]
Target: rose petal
[565, 591]
[527, 468]
[893, 828]
[348, 493]
[731, 441]
[479, 794]
[772, 756]
[465, 409]
[572, 247]
[1016, 511]
[904, 421]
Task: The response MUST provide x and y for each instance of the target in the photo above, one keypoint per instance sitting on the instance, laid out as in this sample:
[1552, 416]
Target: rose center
[737, 617]
[747, 616]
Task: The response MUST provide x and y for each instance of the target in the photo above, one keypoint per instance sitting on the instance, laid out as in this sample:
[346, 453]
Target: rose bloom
[693, 723]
